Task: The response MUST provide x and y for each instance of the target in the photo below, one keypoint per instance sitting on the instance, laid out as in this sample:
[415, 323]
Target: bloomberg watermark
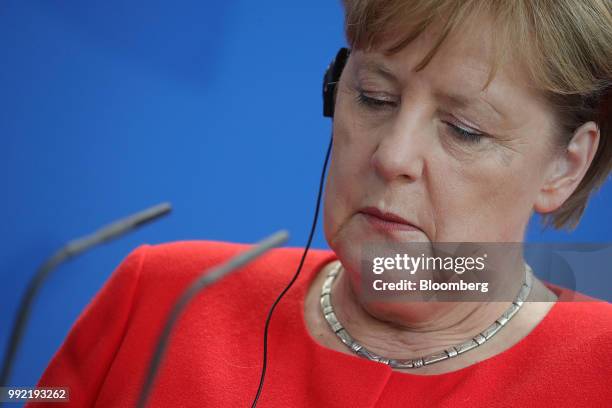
[484, 271]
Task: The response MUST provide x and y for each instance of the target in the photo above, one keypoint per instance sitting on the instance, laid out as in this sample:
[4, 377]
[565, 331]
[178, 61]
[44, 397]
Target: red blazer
[214, 357]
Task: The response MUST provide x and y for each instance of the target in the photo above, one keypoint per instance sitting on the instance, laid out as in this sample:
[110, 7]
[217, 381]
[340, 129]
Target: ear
[568, 168]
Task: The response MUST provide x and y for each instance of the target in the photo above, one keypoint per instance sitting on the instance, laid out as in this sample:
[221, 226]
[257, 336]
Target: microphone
[70, 250]
[187, 296]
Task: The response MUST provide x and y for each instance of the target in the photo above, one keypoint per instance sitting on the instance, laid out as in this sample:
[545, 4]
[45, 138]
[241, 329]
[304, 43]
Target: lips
[387, 221]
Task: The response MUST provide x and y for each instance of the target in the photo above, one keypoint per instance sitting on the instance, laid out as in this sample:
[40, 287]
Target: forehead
[464, 69]
[475, 49]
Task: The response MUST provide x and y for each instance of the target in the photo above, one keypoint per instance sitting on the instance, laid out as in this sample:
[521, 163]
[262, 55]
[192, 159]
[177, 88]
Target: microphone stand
[187, 296]
[72, 249]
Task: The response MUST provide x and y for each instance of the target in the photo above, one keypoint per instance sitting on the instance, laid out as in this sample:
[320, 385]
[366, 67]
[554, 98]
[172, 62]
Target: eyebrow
[378, 68]
[462, 101]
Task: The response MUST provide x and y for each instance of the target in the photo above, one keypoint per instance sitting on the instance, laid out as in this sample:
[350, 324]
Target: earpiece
[330, 80]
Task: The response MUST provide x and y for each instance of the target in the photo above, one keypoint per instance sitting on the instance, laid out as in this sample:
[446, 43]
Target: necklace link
[453, 351]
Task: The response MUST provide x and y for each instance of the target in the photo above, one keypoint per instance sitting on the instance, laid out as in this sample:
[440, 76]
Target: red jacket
[214, 357]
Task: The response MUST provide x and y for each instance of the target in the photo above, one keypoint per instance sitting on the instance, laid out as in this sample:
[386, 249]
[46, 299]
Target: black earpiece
[330, 80]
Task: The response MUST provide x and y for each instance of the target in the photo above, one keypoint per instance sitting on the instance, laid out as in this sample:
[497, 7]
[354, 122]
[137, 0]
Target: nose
[401, 149]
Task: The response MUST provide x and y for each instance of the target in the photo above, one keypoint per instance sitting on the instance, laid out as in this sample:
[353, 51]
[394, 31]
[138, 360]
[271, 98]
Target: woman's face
[459, 163]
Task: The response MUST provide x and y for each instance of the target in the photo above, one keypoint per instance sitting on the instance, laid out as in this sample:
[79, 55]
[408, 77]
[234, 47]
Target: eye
[372, 102]
[465, 135]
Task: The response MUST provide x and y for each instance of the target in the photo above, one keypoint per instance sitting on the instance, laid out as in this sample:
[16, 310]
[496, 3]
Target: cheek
[486, 200]
[332, 213]
[347, 177]
[335, 209]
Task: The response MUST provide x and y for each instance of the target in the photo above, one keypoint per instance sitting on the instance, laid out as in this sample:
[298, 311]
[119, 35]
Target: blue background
[109, 108]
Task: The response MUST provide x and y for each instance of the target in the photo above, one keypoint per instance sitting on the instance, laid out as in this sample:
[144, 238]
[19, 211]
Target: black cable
[187, 296]
[72, 249]
[312, 230]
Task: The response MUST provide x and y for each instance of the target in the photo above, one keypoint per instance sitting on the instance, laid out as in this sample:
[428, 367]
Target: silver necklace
[453, 351]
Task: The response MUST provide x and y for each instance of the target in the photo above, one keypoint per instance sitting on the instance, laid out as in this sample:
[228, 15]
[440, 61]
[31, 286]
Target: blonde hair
[565, 45]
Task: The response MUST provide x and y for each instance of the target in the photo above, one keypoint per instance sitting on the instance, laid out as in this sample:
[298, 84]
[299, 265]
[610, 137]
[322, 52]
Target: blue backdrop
[109, 108]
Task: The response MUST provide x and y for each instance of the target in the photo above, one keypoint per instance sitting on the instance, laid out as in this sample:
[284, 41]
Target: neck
[410, 330]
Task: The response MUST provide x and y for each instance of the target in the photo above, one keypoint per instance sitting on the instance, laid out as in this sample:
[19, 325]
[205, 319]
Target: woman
[453, 122]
